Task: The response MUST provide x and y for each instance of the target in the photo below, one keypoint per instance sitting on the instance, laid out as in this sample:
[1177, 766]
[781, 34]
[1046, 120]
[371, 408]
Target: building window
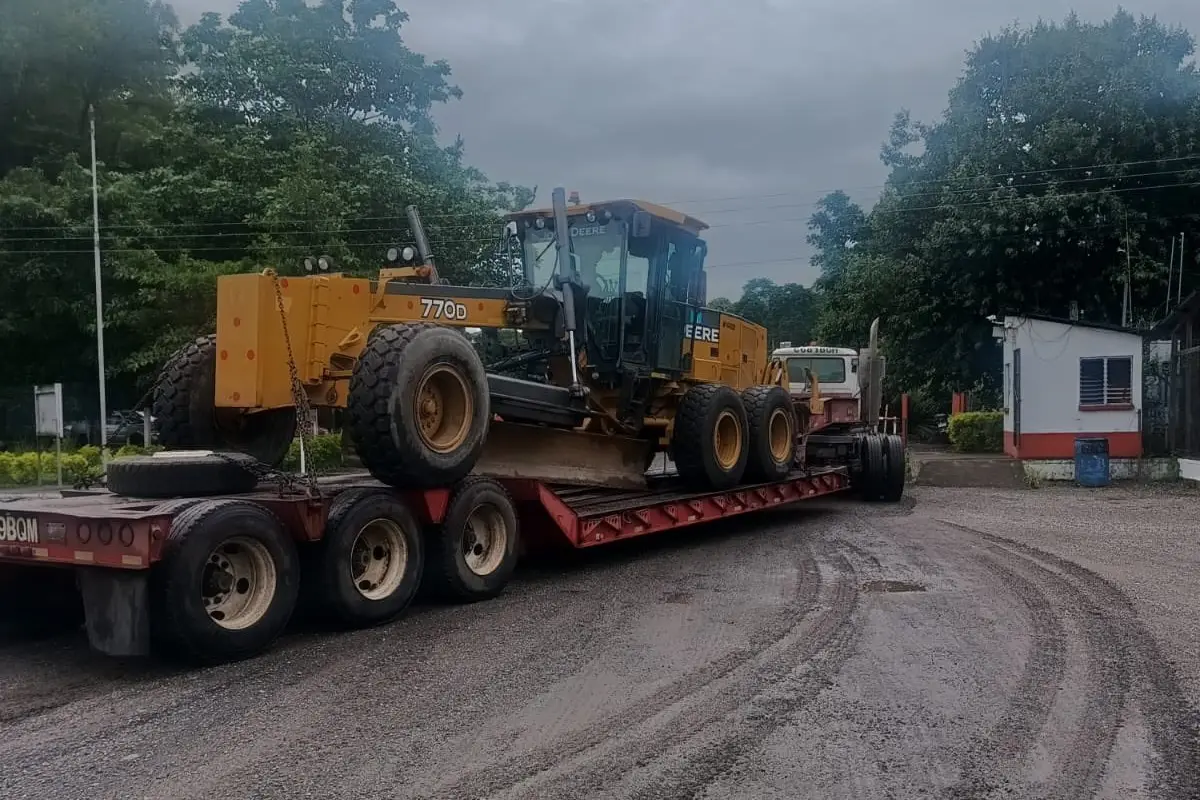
[1106, 381]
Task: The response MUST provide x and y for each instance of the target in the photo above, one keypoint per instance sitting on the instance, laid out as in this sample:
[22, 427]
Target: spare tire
[182, 474]
[419, 407]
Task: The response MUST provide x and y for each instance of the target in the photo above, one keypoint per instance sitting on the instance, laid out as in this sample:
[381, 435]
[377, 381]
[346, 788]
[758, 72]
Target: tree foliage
[1061, 146]
[787, 311]
[290, 129]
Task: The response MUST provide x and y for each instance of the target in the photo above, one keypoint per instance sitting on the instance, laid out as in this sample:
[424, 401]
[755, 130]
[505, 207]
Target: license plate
[18, 529]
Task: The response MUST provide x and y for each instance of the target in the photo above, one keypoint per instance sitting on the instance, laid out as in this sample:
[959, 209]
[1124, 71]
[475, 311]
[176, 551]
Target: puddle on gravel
[892, 586]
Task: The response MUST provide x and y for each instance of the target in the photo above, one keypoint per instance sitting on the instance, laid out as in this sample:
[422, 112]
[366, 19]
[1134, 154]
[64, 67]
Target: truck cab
[836, 369]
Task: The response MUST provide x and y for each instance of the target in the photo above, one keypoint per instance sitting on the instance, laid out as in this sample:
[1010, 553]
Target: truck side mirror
[640, 227]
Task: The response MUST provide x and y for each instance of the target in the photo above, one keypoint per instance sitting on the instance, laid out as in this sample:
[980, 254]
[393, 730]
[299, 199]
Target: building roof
[1188, 308]
[1077, 323]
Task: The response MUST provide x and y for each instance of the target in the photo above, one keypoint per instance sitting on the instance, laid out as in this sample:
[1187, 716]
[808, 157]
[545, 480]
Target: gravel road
[966, 645]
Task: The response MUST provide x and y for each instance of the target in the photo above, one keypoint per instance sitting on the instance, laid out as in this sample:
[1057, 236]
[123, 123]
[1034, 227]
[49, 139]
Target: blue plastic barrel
[1091, 462]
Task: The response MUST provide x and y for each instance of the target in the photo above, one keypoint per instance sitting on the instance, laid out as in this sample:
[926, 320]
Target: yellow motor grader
[626, 361]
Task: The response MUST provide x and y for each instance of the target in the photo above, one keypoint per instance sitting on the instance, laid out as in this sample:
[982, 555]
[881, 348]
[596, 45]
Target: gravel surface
[970, 644]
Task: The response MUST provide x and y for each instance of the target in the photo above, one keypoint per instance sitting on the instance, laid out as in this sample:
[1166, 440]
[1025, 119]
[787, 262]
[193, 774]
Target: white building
[1067, 379]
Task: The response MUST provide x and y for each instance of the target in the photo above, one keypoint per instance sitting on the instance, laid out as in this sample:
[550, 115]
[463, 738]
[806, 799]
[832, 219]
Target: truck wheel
[369, 561]
[893, 456]
[473, 553]
[419, 406]
[184, 405]
[227, 582]
[772, 433]
[874, 467]
[709, 443]
[182, 475]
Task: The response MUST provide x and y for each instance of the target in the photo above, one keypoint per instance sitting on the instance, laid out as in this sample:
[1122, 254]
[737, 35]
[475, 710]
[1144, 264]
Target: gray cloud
[706, 105]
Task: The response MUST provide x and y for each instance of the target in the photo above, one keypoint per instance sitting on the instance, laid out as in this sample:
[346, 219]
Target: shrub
[977, 432]
[23, 470]
[128, 450]
[324, 453]
[90, 453]
[6, 464]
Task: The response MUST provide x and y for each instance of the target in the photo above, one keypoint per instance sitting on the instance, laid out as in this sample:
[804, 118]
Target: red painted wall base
[1062, 445]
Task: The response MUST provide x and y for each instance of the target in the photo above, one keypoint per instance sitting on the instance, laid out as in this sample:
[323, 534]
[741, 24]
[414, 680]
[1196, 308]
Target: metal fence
[1185, 403]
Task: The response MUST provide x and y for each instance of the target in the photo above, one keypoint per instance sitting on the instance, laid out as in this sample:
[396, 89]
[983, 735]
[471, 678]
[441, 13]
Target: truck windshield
[827, 370]
[598, 248]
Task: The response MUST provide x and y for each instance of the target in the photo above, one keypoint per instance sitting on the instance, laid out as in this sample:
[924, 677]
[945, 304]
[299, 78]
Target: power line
[340, 231]
[485, 216]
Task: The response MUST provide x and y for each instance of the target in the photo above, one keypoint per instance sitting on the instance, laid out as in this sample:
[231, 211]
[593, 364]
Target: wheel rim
[443, 408]
[779, 431]
[239, 583]
[485, 540]
[378, 559]
[727, 440]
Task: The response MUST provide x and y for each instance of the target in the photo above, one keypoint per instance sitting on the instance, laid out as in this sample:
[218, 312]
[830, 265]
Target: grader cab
[629, 362]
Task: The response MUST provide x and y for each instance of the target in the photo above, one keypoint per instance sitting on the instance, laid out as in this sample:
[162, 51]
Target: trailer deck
[100, 529]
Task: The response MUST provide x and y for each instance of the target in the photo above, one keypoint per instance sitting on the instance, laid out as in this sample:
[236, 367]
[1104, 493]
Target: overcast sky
[741, 113]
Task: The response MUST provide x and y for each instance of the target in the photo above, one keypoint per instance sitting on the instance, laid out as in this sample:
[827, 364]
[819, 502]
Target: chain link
[304, 415]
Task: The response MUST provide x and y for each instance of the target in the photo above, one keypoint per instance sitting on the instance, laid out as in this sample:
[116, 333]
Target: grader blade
[555, 455]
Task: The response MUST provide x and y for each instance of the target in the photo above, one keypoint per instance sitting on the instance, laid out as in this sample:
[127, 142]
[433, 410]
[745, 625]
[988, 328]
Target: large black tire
[874, 467]
[407, 365]
[369, 563]
[772, 433]
[184, 405]
[696, 441]
[226, 585]
[895, 473]
[473, 553]
[186, 476]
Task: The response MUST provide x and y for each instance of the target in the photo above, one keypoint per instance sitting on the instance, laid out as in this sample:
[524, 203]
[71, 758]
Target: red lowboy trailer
[214, 579]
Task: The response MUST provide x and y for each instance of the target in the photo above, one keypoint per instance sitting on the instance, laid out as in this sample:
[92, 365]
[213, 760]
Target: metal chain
[299, 395]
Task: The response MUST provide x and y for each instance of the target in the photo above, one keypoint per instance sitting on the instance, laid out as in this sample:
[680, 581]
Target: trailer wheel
[874, 467]
[710, 442]
[893, 482]
[184, 405]
[473, 553]
[419, 406]
[772, 433]
[227, 582]
[369, 562]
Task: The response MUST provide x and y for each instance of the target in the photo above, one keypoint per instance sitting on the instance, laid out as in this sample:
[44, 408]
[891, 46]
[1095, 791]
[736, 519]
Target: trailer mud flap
[117, 610]
[555, 455]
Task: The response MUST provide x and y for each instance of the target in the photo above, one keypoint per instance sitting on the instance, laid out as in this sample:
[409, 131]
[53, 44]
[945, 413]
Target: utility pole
[99, 291]
[1170, 275]
[1179, 293]
[1127, 296]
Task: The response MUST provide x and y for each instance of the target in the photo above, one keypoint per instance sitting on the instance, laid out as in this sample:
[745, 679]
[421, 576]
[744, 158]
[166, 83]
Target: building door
[1016, 397]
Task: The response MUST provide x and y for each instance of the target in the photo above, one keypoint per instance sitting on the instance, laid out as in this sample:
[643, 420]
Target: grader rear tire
[711, 437]
[188, 419]
[772, 433]
[419, 407]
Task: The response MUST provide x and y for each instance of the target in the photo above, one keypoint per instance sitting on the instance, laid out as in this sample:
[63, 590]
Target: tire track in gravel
[1002, 753]
[799, 671]
[1124, 665]
[581, 747]
[684, 746]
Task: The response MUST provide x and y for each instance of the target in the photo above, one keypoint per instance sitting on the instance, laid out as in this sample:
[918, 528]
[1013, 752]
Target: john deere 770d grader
[612, 306]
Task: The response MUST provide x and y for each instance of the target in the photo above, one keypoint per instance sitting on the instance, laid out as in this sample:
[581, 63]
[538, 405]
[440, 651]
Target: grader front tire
[711, 437]
[188, 418]
[419, 407]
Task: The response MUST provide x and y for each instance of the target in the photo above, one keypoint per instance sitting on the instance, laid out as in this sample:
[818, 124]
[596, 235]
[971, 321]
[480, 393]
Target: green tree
[1061, 144]
[289, 130]
[837, 227]
[787, 311]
